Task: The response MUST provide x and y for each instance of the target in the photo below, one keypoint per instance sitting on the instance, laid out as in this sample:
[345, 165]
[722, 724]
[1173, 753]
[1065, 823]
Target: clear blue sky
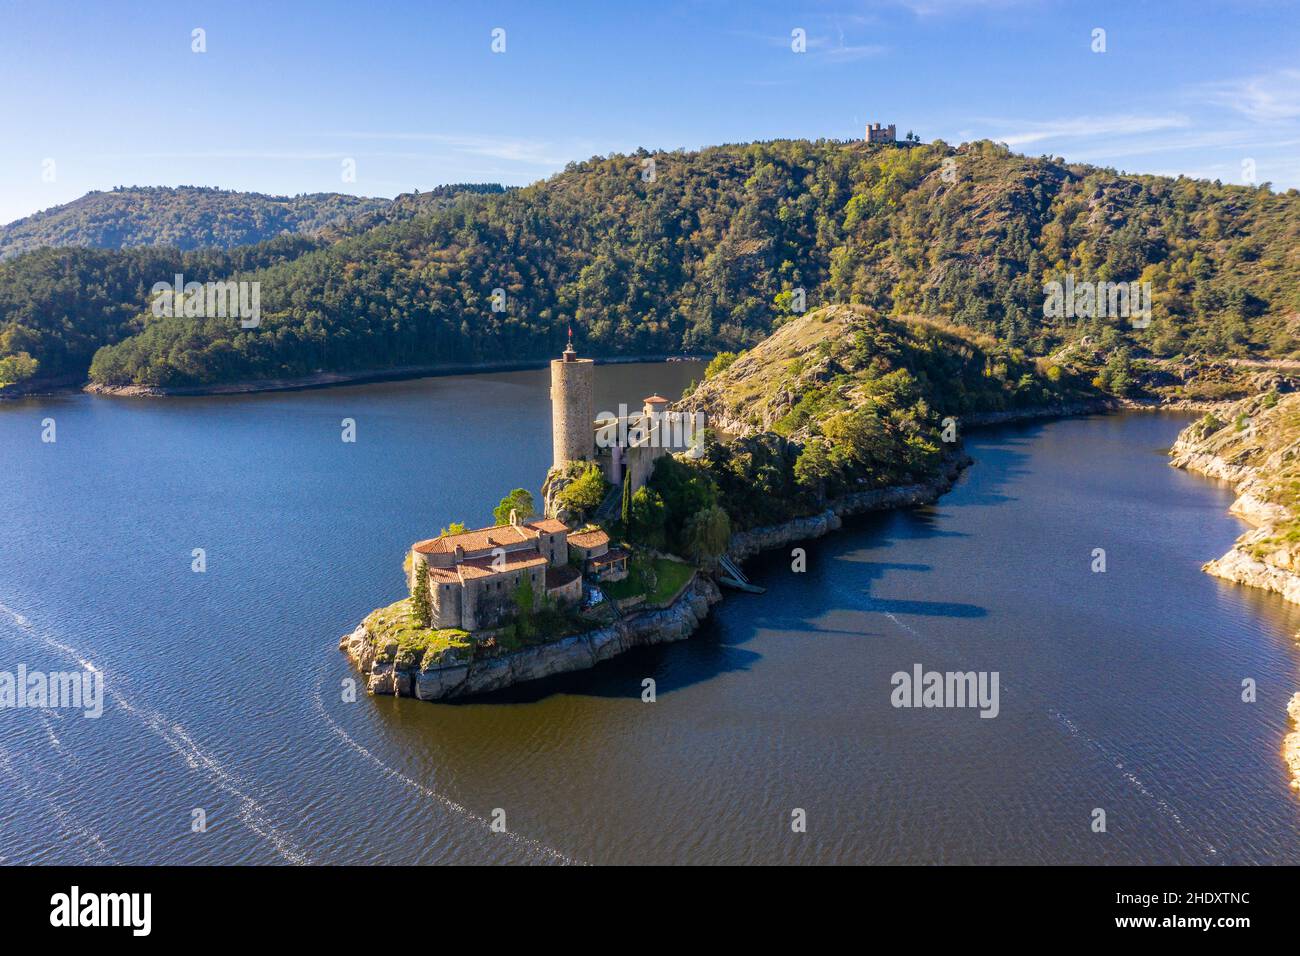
[111, 92]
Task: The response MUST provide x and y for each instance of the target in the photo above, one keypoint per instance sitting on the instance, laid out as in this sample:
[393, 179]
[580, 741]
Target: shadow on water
[996, 451]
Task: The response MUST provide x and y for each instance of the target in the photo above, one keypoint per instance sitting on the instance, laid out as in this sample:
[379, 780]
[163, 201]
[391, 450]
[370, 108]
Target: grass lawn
[415, 645]
[671, 575]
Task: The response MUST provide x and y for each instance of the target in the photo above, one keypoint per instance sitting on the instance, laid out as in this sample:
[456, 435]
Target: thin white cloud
[1087, 127]
[1263, 98]
[833, 50]
[849, 53]
[529, 152]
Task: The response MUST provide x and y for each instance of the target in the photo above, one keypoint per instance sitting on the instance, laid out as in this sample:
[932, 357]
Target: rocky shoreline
[1239, 454]
[458, 679]
[362, 377]
[1242, 564]
[453, 679]
[746, 544]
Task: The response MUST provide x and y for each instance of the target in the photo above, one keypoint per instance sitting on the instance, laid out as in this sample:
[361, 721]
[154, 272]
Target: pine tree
[421, 612]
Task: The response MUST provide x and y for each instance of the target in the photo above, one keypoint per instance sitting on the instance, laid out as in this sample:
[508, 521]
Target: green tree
[625, 512]
[524, 598]
[719, 364]
[648, 516]
[708, 533]
[813, 467]
[421, 609]
[520, 501]
[456, 527]
[17, 368]
[584, 494]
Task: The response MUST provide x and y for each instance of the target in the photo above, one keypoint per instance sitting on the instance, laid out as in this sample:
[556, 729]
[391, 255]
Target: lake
[1119, 691]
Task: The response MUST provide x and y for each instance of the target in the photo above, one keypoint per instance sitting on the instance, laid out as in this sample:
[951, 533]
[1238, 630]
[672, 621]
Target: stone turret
[572, 407]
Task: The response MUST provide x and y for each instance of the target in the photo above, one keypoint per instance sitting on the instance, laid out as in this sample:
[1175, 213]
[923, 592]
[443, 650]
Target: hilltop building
[878, 134]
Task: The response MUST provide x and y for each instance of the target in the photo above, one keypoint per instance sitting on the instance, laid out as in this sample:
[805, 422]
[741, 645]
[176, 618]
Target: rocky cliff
[458, 678]
[746, 544]
[1255, 445]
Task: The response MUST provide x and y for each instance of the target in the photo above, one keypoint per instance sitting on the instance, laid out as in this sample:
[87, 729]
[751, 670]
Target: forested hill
[187, 217]
[647, 253]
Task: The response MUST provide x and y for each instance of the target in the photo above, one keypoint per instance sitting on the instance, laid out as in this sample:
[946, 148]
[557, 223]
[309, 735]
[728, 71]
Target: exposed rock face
[1291, 745]
[674, 623]
[557, 479]
[745, 544]
[1255, 445]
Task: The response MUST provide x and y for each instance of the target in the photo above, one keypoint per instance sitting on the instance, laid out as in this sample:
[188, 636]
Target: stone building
[592, 551]
[629, 444]
[473, 577]
[877, 134]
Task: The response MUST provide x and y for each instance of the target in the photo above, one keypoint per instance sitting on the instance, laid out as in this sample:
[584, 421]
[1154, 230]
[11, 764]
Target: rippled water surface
[1119, 691]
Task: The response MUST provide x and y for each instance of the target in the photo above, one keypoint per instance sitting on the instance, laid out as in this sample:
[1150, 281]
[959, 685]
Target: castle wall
[572, 410]
[487, 602]
[446, 605]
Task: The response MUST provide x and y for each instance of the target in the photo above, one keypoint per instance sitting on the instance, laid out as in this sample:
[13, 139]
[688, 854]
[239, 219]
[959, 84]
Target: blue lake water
[1119, 691]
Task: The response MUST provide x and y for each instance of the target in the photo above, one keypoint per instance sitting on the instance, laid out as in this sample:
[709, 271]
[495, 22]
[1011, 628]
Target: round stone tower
[573, 434]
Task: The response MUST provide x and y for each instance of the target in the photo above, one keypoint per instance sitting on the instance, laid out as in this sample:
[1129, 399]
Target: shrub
[585, 494]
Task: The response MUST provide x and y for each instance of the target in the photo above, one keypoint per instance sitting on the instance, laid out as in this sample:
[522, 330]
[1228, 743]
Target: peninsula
[645, 513]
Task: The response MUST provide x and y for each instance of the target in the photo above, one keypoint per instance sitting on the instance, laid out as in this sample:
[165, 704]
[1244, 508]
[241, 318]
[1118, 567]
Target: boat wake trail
[1116, 760]
[252, 814]
[465, 813]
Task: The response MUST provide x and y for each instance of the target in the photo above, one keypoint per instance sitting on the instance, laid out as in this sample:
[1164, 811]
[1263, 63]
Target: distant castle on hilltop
[878, 134]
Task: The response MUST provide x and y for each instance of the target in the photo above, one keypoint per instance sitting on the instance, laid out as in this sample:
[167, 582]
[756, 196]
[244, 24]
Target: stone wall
[573, 437]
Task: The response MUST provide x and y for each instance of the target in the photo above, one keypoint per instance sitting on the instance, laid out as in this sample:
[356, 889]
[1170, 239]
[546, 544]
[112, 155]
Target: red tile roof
[548, 525]
[486, 567]
[589, 539]
[480, 540]
[610, 556]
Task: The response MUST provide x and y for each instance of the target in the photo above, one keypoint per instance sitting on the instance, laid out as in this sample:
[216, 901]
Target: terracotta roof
[479, 540]
[609, 557]
[589, 539]
[655, 398]
[486, 567]
[559, 577]
[548, 525]
[443, 575]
